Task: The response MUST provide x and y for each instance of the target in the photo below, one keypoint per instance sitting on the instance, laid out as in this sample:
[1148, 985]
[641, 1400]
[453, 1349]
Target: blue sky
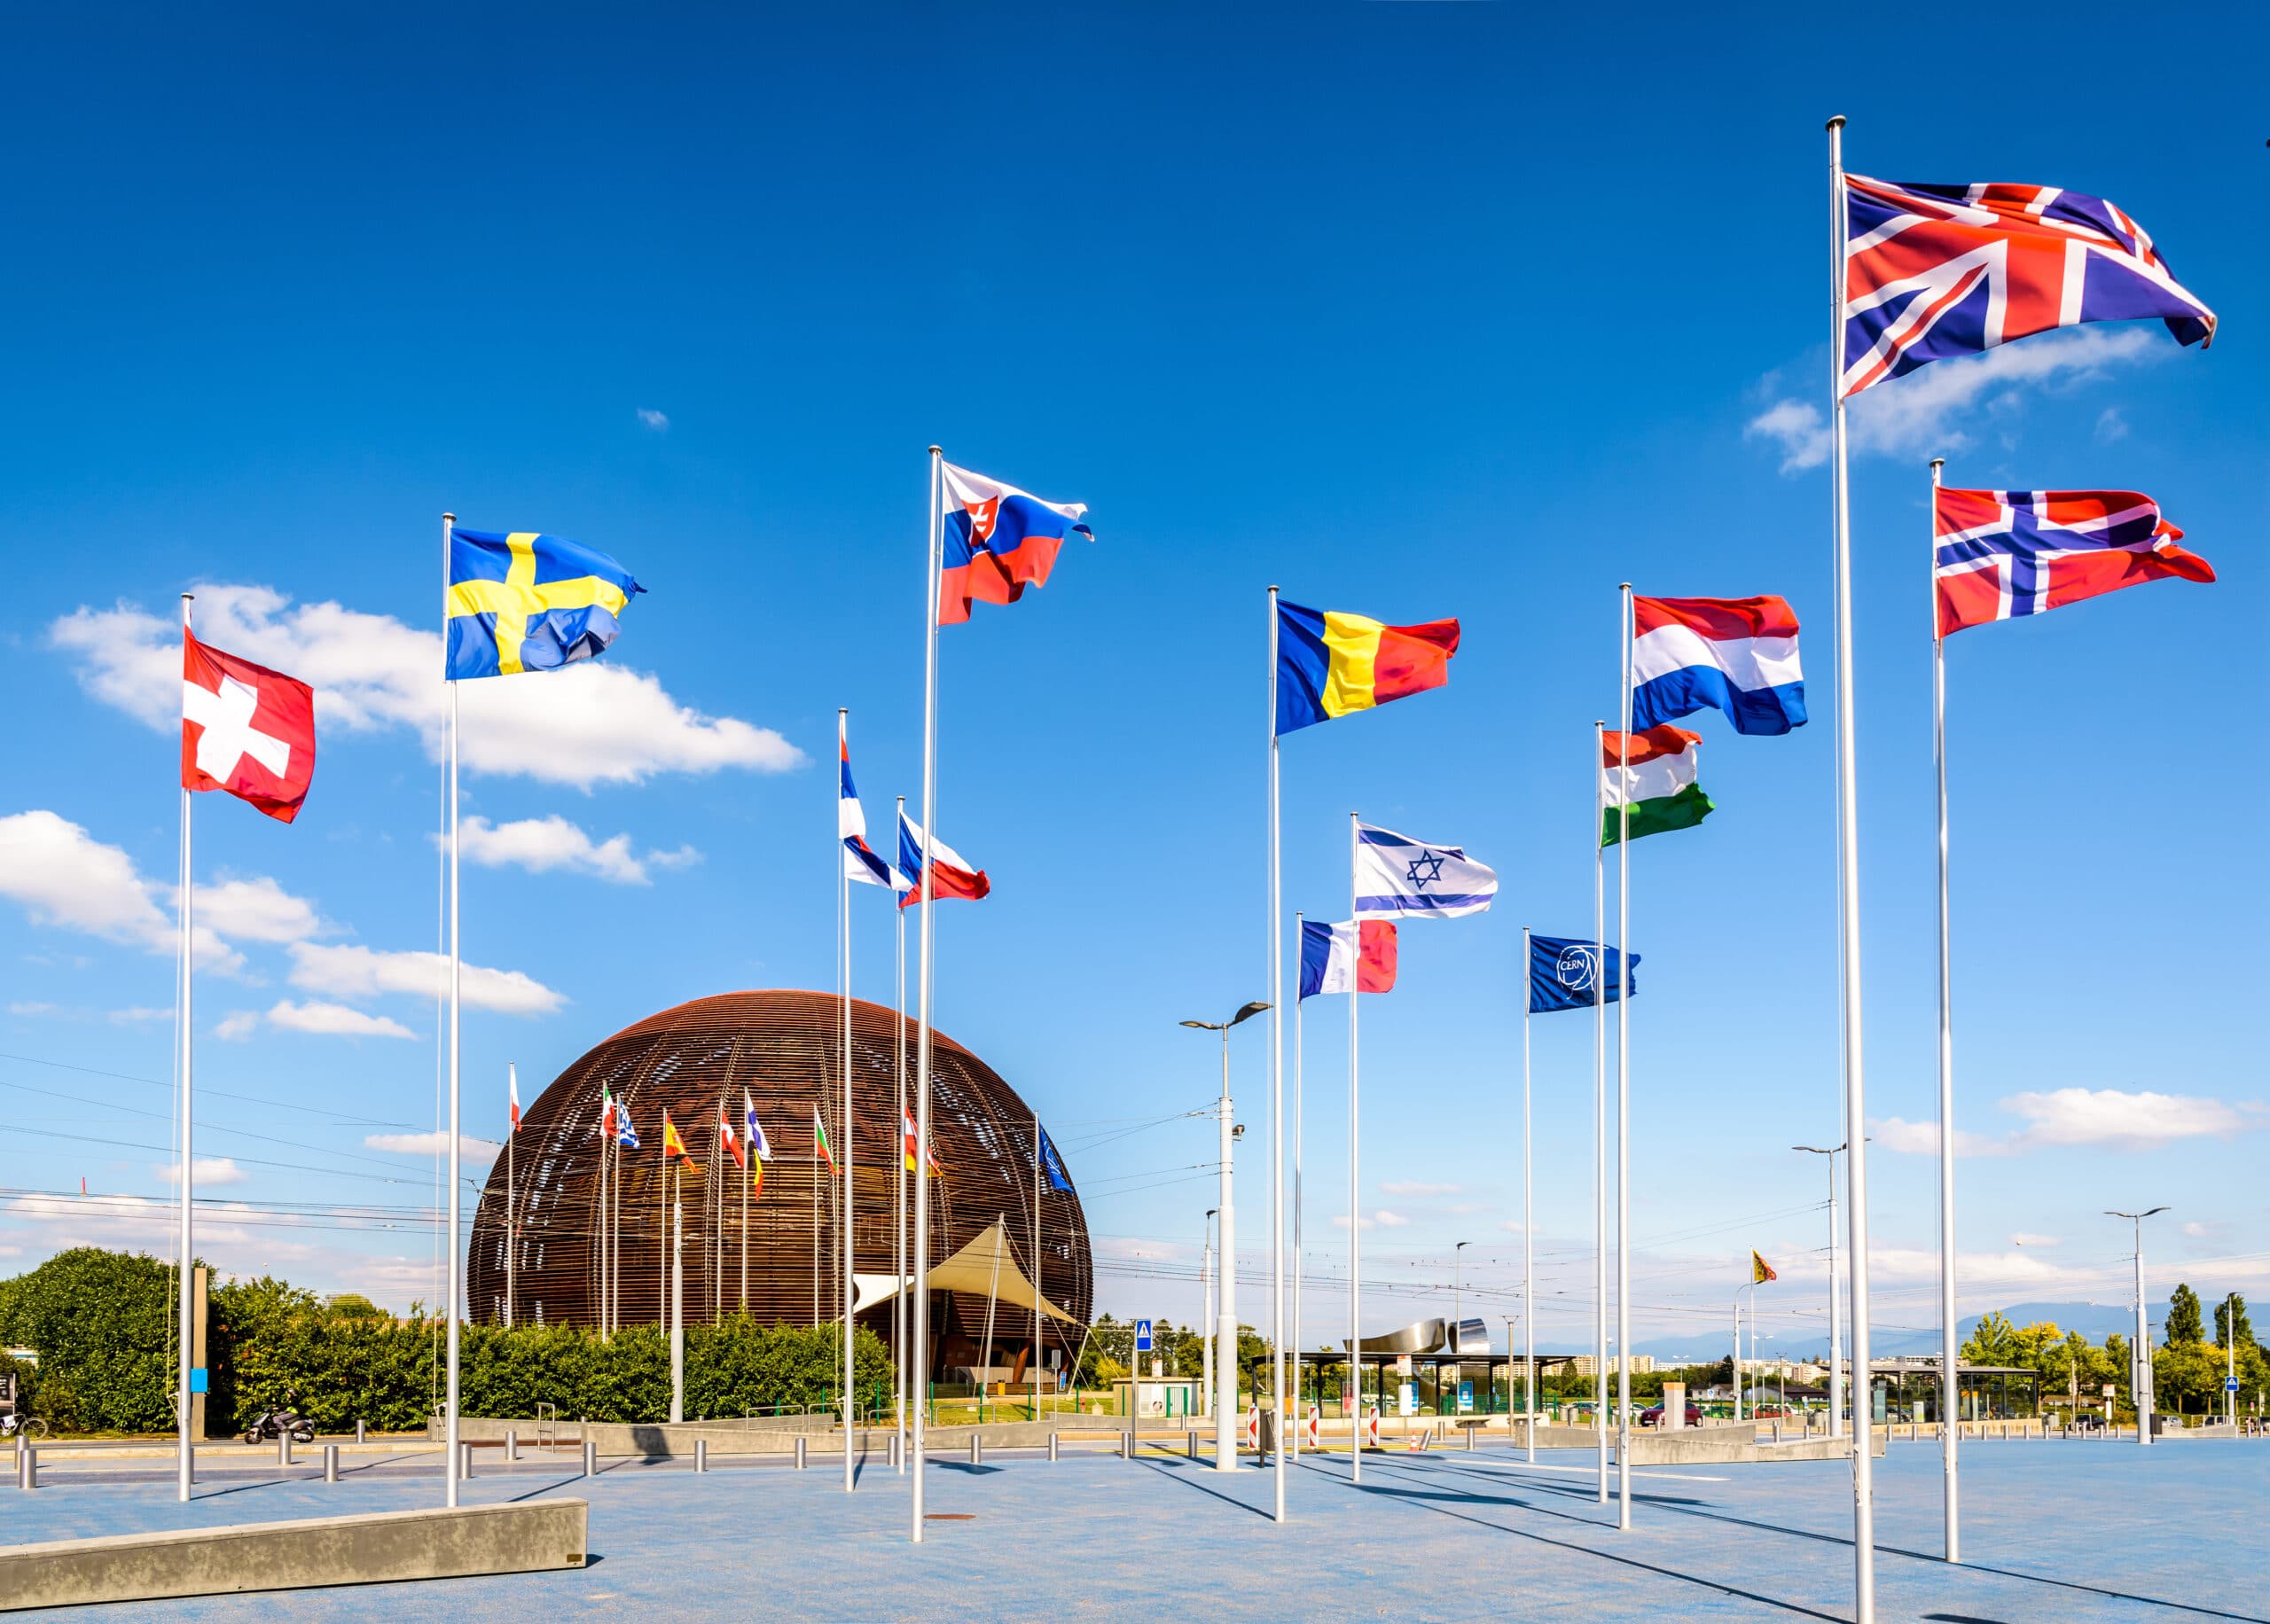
[1417, 310]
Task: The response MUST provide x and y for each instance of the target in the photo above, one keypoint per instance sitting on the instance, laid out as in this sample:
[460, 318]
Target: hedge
[101, 1322]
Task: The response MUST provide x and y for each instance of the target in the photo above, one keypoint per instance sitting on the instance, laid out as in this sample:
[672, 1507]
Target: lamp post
[1225, 1327]
[1205, 1276]
[2139, 1361]
[1458, 1322]
[1836, 1314]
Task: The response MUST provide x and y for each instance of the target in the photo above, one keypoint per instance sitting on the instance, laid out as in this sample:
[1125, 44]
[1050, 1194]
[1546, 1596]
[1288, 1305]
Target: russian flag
[951, 874]
[1735, 654]
[999, 541]
[859, 862]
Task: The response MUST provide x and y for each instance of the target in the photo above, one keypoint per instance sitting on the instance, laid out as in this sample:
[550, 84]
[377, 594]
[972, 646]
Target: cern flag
[1563, 972]
[1399, 878]
[1052, 1164]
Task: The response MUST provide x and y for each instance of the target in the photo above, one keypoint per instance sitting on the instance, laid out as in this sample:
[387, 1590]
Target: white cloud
[253, 911]
[2111, 425]
[595, 723]
[1340, 1221]
[35, 1009]
[1513, 1226]
[2024, 1239]
[63, 876]
[140, 1014]
[1390, 1221]
[347, 972]
[2065, 1117]
[1921, 414]
[237, 1025]
[206, 1171]
[1413, 1187]
[333, 1020]
[541, 845]
[433, 1144]
[654, 419]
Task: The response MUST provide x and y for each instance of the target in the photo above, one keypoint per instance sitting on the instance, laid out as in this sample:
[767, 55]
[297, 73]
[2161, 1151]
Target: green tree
[102, 1323]
[354, 1306]
[2184, 1324]
[1995, 1341]
[2224, 1307]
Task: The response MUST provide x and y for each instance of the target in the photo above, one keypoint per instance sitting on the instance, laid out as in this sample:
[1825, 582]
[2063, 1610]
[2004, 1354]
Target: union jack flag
[1935, 271]
[2005, 553]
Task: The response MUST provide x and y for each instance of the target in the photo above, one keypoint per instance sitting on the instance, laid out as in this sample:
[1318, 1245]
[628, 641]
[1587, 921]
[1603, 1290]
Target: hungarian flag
[673, 1141]
[1654, 774]
[819, 1141]
[1760, 1270]
[245, 729]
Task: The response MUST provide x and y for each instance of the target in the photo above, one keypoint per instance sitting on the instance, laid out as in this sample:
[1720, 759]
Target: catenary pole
[1949, 1436]
[1599, 1122]
[1528, 1241]
[1276, 1089]
[850, 1222]
[452, 1462]
[186, 1472]
[1623, 1085]
[920, 1363]
[1355, 1189]
[1848, 884]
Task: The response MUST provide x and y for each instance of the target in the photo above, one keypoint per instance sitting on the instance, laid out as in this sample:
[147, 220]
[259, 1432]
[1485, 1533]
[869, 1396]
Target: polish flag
[513, 1098]
[951, 875]
[245, 730]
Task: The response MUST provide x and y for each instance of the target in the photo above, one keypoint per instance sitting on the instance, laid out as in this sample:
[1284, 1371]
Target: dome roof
[770, 1249]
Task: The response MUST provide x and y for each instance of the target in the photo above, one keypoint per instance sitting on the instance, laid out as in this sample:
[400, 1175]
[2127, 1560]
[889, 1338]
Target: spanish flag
[1329, 663]
[673, 1142]
[1760, 1270]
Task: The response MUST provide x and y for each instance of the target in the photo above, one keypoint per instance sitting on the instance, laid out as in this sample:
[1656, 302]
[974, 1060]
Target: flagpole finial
[1624, 586]
[1838, 122]
[449, 519]
[1939, 462]
[937, 450]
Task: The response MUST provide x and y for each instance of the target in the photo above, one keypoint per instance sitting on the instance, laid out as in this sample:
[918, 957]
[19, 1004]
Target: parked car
[1654, 1416]
[2088, 1421]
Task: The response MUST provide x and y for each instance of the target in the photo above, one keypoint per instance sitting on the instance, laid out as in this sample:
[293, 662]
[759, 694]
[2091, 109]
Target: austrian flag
[245, 729]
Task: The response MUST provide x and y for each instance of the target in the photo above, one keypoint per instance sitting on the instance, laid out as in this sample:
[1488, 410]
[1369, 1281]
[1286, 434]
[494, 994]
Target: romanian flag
[673, 1142]
[1329, 663]
[819, 1141]
[1760, 1270]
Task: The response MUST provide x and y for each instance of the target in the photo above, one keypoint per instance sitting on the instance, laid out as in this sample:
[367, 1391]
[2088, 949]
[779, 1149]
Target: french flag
[999, 541]
[1355, 956]
[951, 874]
[1735, 654]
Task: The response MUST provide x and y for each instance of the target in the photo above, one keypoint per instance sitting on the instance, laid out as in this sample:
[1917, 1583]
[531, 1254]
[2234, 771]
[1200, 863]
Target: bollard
[28, 1468]
[976, 1448]
[1052, 1447]
[1127, 1446]
[1190, 1443]
[358, 1429]
[701, 1455]
[799, 1451]
[465, 1462]
[1470, 1440]
[591, 1458]
[511, 1444]
[1777, 1429]
[331, 1463]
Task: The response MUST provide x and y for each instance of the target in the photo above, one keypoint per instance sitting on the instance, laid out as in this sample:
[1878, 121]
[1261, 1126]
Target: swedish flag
[522, 602]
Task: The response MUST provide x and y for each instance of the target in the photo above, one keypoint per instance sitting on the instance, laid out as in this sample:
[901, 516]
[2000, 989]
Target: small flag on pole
[513, 1099]
[1735, 654]
[1353, 955]
[1330, 664]
[951, 875]
[673, 1144]
[1657, 778]
[626, 1135]
[759, 1146]
[911, 1135]
[1053, 1164]
[606, 1113]
[1398, 877]
[1563, 972]
[732, 1142]
[247, 729]
[999, 541]
[819, 1141]
[2004, 554]
[860, 862]
[1760, 1270]
[522, 602]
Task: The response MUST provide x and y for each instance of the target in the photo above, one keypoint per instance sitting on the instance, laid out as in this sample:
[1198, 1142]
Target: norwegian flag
[245, 729]
[1935, 271]
[2005, 553]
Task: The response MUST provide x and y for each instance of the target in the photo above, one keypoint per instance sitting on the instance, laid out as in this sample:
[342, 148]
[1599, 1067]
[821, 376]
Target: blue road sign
[1142, 1336]
[2230, 1384]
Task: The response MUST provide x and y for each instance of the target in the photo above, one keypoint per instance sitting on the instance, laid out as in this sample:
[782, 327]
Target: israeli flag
[1566, 974]
[1399, 878]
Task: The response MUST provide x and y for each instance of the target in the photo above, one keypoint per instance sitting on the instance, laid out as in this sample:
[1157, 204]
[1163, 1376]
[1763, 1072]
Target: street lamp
[1225, 1327]
[1458, 1323]
[1206, 1278]
[1835, 1315]
[2139, 1361]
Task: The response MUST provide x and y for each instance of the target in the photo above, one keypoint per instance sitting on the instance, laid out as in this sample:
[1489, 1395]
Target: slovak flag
[726, 1137]
[245, 729]
[951, 874]
[999, 541]
[1354, 955]
[759, 1146]
[859, 863]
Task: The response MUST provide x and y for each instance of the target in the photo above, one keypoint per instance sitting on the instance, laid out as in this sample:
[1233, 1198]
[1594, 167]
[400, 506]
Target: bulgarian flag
[819, 1141]
[1655, 776]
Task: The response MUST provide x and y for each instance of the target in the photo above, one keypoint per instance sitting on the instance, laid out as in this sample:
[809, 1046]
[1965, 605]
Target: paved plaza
[2056, 1531]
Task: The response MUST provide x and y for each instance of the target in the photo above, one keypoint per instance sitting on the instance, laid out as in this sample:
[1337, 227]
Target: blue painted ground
[2055, 1531]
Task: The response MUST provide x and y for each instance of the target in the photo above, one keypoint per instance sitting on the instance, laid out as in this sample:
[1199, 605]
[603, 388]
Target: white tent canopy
[986, 1266]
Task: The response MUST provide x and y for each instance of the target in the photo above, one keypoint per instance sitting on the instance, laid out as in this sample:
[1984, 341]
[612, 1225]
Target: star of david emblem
[1426, 869]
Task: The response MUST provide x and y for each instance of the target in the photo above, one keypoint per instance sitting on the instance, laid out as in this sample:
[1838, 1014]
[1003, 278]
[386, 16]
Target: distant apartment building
[1642, 1365]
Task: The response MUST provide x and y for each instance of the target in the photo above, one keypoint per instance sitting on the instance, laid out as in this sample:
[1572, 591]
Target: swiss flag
[245, 730]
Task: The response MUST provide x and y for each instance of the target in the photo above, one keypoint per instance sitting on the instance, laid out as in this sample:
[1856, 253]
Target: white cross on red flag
[245, 729]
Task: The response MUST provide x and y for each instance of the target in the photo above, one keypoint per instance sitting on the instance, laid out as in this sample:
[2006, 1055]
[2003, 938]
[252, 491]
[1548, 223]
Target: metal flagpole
[512, 1184]
[747, 1173]
[843, 886]
[1035, 1263]
[1948, 1442]
[1848, 881]
[676, 1181]
[1298, 1344]
[1624, 1087]
[1355, 1193]
[186, 1474]
[456, 1280]
[920, 1363]
[1734, 1360]
[898, 1166]
[1528, 1235]
[1277, 1089]
[1599, 1128]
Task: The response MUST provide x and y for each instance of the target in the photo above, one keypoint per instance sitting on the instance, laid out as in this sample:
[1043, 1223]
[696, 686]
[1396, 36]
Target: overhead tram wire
[250, 1099]
[129, 1145]
[203, 1125]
